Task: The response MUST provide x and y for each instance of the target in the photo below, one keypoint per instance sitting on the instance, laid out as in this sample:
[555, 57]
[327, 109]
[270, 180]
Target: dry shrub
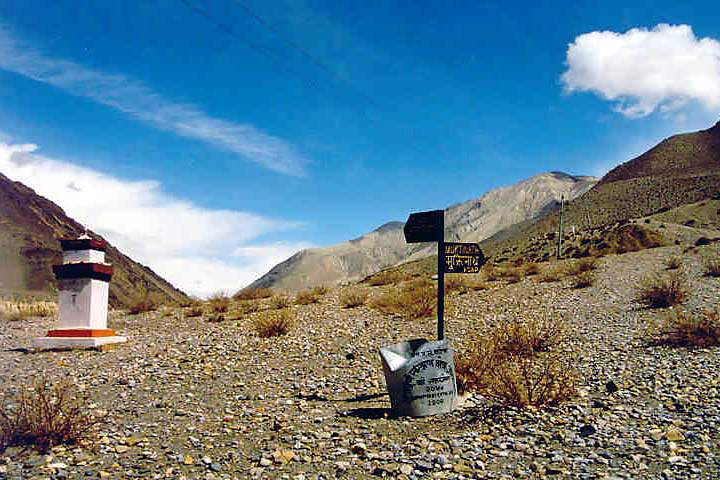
[584, 280]
[530, 269]
[455, 284]
[247, 307]
[273, 323]
[219, 303]
[15, 311]
[578, 267]
[476, 284]
[516, 364]
[673, 263]
[320, 290]
[279, 302]
[491, 272]
[414, 300]
[146, 302]
[387, 277]
[253, 294]
[662, 291]
[195, 311]
[306, 297]
[44, 416]
[712, 267]
[552, 274]
[540, 333]
[684, 329]
[352, 298]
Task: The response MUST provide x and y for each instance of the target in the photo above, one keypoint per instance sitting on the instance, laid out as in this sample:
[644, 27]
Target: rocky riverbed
[188, 398]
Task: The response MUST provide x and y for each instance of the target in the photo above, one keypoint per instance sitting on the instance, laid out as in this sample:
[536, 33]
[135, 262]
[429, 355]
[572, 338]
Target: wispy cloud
[664, 68]
[200, 250]
[134, 98]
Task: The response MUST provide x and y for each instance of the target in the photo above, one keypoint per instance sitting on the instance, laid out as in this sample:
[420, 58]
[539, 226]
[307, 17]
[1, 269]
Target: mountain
[30, 226]
[680, 170]
[384, 247]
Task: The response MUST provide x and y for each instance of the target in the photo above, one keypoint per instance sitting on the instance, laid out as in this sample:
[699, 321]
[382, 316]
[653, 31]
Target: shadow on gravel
[490, 413]
[365, 397]
[369, 413]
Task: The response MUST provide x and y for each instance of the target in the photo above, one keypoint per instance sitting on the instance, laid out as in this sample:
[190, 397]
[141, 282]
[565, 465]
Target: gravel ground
[187, 398]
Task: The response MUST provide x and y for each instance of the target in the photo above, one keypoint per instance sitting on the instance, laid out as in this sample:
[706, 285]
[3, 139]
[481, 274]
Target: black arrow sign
[425, 227]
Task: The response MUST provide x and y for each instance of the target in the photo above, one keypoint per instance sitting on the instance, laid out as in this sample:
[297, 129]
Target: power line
[299, 48]
[257, 47]
[269, 52]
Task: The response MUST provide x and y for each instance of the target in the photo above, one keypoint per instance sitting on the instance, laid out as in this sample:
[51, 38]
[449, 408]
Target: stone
[611, 387]
[587, 430]
[674, 435]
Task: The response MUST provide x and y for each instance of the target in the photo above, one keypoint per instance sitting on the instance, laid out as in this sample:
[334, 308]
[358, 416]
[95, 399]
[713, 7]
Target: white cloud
[133, 98]
[195, 248]
[646, 70]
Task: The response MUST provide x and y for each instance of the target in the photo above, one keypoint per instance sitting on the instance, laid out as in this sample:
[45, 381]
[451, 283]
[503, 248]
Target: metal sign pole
[441, 281]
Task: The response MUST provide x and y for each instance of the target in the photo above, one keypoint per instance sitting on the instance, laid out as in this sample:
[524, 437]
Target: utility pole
[441, 281]
[560, 226]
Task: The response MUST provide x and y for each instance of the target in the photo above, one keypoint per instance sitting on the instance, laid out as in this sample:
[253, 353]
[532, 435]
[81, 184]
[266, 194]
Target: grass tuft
[712, 267]
[307, 297]
[414, 300]
[521, 363]
[253, 294]
[684, 329]
[662, 291]
[352, 298]
[44, 416]
[273, 323]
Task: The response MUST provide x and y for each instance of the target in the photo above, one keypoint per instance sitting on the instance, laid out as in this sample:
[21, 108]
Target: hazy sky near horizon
[211, 140]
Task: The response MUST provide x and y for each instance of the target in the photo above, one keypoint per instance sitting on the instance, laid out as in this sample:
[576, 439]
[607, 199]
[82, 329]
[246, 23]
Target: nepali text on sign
[463, 257]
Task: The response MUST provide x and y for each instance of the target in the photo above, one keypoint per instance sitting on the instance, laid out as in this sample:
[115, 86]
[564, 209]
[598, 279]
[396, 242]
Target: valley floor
[193, 399]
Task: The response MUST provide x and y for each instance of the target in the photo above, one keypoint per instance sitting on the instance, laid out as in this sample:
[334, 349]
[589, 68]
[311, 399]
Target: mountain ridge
[385, 246]
[30, 226]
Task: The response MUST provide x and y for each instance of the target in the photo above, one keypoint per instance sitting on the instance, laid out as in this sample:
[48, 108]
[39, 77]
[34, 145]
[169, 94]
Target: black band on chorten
[95, 271]
[83, 244]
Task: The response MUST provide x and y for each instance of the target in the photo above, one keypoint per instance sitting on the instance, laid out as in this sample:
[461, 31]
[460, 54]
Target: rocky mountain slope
[682, 169]
[29, 228]
[470, 221]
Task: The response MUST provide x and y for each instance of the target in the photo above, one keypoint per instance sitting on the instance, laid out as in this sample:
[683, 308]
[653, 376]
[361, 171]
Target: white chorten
[83, 284]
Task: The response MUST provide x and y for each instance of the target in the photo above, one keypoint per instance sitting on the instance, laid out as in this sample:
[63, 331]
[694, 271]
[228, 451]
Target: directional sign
[462, 257]
[425, 227]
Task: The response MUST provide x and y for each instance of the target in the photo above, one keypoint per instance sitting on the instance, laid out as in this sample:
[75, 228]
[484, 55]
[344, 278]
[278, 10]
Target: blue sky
[292, 123]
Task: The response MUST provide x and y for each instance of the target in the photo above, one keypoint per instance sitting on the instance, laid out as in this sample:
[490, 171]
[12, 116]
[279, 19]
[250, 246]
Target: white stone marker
[83, 284]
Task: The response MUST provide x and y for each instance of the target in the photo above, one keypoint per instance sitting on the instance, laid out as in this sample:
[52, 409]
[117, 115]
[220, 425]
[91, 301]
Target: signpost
[420, 374]
[452, 257]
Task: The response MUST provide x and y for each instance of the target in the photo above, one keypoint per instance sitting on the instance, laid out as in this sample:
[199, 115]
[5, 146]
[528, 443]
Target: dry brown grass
[278, 302]
[307, 297]
[144, 303]
[320, 290]
[712, 267]
[352, 298]
[273, 323]
[248, 306]
[584, 280]
[553, 273]
[684, 329]
[673, 263]
[416, 299]
[388, 277]
[658, 291]
[45, 416]
[529, 269]
[219, 303]
[15, 311]
[521, 363]
[253, 294]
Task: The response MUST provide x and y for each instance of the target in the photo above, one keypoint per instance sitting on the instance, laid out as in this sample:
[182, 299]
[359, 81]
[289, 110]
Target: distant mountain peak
[385, 246]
